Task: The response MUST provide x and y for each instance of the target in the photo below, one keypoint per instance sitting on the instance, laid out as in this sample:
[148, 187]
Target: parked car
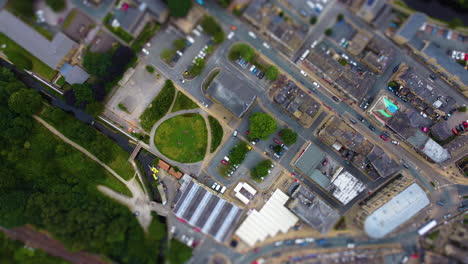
[230, 35]
[352, 121]
[224, 162]
[361, 119]
[252, 35]
[455, 132]
[465, 124]
[277, 141]
[324, 162]
[266, 45]
[303, 73]
[235, 133]
[316, 84]
[394, 142]
[384, 137]
[336, 99]
[371, 127]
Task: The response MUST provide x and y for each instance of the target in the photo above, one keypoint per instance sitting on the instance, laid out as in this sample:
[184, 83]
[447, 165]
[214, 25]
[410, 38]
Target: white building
[244, 192]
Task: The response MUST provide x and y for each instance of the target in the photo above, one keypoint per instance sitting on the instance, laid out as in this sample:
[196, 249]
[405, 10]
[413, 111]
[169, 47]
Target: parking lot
[308, 8]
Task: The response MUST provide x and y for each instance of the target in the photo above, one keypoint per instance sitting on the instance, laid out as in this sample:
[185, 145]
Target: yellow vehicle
[249, 147]
[154, 170]
[155, 176]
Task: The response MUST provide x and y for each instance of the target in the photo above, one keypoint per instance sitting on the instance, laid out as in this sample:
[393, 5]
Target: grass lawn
[183, 138]
[182, 102]
[39, 67]
[216, 133]
[116, 185]
[179, 252]
[159, 106]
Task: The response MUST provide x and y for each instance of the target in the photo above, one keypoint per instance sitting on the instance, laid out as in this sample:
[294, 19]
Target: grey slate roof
[412, 25]
[309, 160]
[75, 75]
[157, 7]
[129, 18]
[450, 65]
[232, 92]
[49, 52]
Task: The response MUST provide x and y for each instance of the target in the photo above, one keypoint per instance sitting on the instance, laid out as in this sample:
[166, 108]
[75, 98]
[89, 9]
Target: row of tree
[246, 52]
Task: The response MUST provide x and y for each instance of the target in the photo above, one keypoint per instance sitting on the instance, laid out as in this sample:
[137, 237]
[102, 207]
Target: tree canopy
[241, 50]
[272, 73]
[179, 8]
[289, 136]
[454, 23]
[238, 153]
[328, 31]
[83, 93]
[22, 7]
[25, 101]
[197, 67]
[97, 64]
[261, 170]
[56, 5]
[211, 26]
[261, 126]
[313, 20]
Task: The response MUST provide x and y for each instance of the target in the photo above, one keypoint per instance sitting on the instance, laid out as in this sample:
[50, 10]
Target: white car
[196, 32]
[316, 84]
[309, 240]
[223, 189]
[266, 45]
[278, 243]
[299, 241]
[190, 39]
[313, 44]
[145, 51]
[252, 35]
[394, 142]
[303, 73]
[230, 35]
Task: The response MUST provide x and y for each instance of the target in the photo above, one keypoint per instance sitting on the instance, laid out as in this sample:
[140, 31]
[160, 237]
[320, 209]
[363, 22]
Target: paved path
[139, 202]
[190, 168]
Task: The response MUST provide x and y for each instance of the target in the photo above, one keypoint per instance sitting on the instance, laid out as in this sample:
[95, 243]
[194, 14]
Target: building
[212, 215]
[370, 9]
[163, 165]
[233, 93]
[54, 53]
[244, 192]
[312, 210]
[308, 160]
[273, 218]
[382, 196]
[384, 212]
[406, 32]
[176, 174]
[382, 163]
[188, 22]
[133, 15]
[345, 187]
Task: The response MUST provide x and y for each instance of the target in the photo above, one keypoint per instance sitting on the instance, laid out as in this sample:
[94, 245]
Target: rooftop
[208, 212]
[232, 92]
[73, 74]
[411, 26]
[396, 211]
[49, 52]
[346, 187]
[244, 192]
[309, 159]
[129, 17]
[382, 163]
[435, 151]
[273, 218]
[312, 210]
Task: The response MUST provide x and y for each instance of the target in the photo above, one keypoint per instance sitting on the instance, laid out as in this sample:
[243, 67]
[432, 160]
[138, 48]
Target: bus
[304, 55]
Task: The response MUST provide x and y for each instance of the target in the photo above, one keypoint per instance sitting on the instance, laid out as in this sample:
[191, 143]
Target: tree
[179, 44]
[238, 153]
[272, 73]
[289, 136]
[179, 8]
[261, 170]
[56, 5]
[167, 55]
[94, 108]
[19, 60]
[313, 20]
[261, 126]
[97, 64]
[23, 7]
[339, 17]
[241, 50]
[211, 26]
[197, 67]
[83, 93]
[25, 101]
[224, 3]
[277, 148]
[328, 31]
[454, 23]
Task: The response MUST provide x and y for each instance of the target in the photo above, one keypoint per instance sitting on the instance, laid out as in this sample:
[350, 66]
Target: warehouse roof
[274, 217]
[395, 212]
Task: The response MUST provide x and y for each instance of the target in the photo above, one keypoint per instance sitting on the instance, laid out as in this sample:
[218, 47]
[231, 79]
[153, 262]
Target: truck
[304, 55]
[321, 242]
[427, 227]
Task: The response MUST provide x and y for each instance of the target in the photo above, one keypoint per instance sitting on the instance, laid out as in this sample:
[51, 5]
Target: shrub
[56, 5]
[149, 68]
[241, 50]
[211, 26]
[216, 133]
[159, 106]
[328, 32]
[313, 20]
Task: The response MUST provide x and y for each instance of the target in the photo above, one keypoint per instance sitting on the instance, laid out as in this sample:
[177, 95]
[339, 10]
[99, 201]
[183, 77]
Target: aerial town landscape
[233, 131]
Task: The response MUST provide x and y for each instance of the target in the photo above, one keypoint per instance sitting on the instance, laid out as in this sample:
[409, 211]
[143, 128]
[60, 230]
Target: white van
[190, 39]
[252, 35]
[196, 32]
[218, 187]
[226, 158]
[235, 133]
[223, 189]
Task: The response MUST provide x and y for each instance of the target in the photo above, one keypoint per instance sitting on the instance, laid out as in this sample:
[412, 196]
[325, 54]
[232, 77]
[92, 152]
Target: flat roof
[412, 25]
[241, 188]
[208, 212]
[309, 159]
[232, 92]
[435, 151]
[273, 218]
[395, 212]
[346, 187]
[49, 52]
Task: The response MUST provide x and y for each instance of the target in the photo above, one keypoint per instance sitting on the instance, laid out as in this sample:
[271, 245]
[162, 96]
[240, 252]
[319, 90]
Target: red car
[233, 28]
[247, 132]
[324, 162]
[465, 124]
[384, 137]
[454, 130]
[224, 162]
[277, 141]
